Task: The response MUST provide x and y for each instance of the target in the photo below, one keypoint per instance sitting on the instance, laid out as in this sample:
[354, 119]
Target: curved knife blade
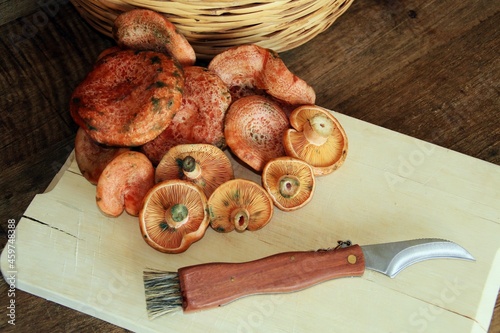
[392, 258]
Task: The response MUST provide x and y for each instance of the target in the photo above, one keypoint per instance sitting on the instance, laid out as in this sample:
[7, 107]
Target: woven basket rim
[214, 25]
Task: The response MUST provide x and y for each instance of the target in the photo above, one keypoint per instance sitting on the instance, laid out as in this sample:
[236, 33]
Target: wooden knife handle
[214, 284]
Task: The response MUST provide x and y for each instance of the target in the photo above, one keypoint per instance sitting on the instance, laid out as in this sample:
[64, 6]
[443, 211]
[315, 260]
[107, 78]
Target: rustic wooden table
[428, 69]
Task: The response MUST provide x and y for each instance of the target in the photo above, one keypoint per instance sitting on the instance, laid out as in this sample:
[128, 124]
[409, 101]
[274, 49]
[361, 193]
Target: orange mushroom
[128, 98]
[251, 69]
[254, 128]
[289, 181]
[174, 216]
[123, 184]
[203, 164]
[92, 157]
[200, 118]
[144, 29]
[239, 204]
[317, 138]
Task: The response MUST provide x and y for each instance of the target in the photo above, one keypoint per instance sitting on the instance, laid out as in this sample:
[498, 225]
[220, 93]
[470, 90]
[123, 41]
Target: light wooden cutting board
[392, 187]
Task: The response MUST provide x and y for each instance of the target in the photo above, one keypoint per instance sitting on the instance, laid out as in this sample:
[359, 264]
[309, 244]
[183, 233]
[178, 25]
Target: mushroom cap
[108, 51]
[211, 166]
[254, 128]
[239, 204]
[145, 29]
[317, 137]
[289, 181]
[123, 184]
[173, 216]
[200, 118]
[128, 98]
[250, 67]
[240, 68]
[92, 157]
[282, 84]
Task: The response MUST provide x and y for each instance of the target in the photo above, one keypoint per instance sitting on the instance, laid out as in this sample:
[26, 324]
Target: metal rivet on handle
[352, 259]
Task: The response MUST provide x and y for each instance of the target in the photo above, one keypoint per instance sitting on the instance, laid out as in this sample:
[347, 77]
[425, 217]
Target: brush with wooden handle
[210, 285]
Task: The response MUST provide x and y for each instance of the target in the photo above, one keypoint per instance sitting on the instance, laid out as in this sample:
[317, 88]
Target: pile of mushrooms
[153, 128]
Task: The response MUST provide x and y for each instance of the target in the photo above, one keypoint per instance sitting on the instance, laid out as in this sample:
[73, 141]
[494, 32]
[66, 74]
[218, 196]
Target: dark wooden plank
[429, 69]
[438, 105]
[14, 9]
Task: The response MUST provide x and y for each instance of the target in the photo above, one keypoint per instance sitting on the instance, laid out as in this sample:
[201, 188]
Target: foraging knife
[210, 285]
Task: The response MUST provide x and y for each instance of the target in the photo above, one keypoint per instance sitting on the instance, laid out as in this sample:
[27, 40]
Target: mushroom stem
[190, 167]
[289, 186]
[318, 129]
[177, 215]
[241, 218]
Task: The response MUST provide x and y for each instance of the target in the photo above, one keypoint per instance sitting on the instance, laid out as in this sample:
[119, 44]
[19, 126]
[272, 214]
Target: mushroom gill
[317, 138]
[173, 216]
[239, 204]
[289, 181]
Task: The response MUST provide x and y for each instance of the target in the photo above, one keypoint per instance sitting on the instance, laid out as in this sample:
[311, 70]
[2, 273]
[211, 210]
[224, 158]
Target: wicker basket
[214, 25]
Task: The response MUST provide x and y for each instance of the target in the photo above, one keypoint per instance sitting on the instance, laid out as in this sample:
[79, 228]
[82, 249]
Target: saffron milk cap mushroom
[128, 98]
[317, 137]
[251, 69]
[145, 29]
[174, 216]
[202, 164]
[254, 128]
[239, 204]
[289, 181]
[92, 157]
[123, 184]
[200, 118]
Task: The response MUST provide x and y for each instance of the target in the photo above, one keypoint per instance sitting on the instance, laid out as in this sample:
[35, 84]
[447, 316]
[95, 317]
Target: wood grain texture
[14, 9]
[428, 69]
[216, 284]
